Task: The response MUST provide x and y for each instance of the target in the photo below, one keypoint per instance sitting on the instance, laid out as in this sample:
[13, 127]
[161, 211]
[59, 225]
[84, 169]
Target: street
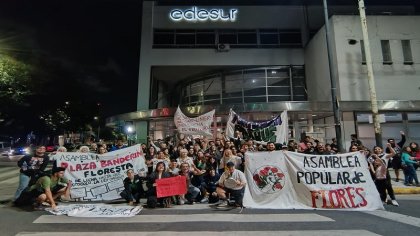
[204, 220]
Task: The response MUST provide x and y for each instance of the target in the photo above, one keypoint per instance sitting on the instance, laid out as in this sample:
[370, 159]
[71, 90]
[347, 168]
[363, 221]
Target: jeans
[23, 183]
[412, 174]
[192, 193]
[130, 196]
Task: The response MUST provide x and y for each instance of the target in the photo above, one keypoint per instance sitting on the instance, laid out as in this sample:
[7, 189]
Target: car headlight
[26, 150]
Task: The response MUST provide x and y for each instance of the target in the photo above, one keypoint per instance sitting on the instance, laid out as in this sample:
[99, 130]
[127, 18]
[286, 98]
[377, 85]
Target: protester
[408, 163]
[192, 191]
[271, 147]
[31, 167]
[84, 149]
[210, 185]
[236, 190]
[133, 188]
[46, 190]
[152, 200]
[396, 160]
[379, 153]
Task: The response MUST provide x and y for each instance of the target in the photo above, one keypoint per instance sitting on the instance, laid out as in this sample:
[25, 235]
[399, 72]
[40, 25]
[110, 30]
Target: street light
[130, 131]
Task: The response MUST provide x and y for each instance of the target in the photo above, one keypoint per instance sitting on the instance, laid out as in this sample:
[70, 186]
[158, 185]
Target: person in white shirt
[232, 182]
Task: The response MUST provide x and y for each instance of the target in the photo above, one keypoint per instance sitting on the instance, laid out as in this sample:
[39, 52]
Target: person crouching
[133, 188]
[231, 182]
[46, 190]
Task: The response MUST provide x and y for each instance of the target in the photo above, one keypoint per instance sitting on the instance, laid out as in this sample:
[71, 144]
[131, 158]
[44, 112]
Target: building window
[362, 48]
[262, 84]
[406, 48]
[386, 52]
[236, 38]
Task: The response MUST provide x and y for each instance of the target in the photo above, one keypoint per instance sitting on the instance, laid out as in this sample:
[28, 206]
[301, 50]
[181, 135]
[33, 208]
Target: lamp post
[371, 78]
[334, 99]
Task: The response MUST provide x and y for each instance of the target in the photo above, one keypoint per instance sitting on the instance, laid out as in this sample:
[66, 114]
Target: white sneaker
[204, 200]
[394, 202]
[223, 204]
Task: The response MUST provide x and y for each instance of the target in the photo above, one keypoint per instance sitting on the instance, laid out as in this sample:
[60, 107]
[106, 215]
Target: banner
[171, 186]
[274, 130]
[290, 180]
[100, 177]
[95, 210]
[200, 125]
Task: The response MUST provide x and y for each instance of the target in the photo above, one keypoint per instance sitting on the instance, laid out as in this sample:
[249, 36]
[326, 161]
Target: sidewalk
[399, 187]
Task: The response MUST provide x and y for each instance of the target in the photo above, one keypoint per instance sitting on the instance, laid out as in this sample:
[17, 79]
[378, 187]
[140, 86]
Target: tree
[14, 80]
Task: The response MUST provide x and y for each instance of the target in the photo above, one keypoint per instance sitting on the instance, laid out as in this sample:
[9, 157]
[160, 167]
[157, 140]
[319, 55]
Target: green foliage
[14, 80]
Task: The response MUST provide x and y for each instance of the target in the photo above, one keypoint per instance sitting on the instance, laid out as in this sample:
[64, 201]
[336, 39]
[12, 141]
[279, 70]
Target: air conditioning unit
[223, 47]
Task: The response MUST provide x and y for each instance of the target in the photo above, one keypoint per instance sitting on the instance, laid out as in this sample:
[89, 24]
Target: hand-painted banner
[274, 130]
[195, 126]
[289, 180]
[95, 210]
[100, 177]
[171, 186]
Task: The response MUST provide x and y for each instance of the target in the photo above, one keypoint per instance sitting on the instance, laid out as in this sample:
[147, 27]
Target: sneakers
[223, 203]
[38, 207]
[181, 201]
[204, 200]
[394, 202]
[64, 199]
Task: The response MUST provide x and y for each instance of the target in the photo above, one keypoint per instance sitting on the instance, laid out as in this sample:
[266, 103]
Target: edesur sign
[195, 14]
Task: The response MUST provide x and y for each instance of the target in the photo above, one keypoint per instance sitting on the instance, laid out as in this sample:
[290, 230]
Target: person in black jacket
[396, 160]
[159, 173]
[31, 168]
[133, 188]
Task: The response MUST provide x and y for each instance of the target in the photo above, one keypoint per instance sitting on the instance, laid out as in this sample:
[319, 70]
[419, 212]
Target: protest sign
[200, 125]
[100, 177]
[281, 180]
[171, 186]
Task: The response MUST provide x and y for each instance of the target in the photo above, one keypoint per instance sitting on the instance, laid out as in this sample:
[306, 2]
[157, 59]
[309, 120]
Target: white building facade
[261, 60]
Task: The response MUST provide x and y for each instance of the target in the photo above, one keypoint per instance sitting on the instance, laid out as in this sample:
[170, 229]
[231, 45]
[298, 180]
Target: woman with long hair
[408, 166]
[159, 173]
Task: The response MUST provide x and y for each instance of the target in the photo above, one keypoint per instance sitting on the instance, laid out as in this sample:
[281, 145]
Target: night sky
[97, 41]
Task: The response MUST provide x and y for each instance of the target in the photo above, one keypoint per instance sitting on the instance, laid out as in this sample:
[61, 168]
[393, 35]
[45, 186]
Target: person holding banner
[159, 173]
[231, 182]
[132, 188]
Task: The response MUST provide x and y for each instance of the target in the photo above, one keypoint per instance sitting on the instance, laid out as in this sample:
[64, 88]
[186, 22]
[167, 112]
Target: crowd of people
[213, 169]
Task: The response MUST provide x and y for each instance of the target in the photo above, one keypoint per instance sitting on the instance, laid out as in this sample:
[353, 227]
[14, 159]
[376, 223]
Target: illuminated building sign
[195, 14]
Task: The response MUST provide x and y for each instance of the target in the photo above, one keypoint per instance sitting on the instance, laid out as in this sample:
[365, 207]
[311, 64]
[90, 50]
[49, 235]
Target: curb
[407, 190]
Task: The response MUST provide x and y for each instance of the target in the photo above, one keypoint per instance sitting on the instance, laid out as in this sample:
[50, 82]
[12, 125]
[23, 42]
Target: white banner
[95, 210]
[200, 125]
[290, 180]
[100, 177]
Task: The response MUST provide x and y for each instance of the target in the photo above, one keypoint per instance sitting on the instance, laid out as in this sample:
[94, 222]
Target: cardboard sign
[171, 186]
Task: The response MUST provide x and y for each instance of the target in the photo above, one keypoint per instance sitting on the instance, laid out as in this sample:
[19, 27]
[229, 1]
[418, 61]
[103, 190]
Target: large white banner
[200, 125]
[100, 177]
[95, 210]
[290, 180]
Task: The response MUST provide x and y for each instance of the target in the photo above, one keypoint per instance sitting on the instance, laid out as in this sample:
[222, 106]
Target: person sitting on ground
[231, 182]
[152, 200]
[192, 191]
[46, 190]
[210, 185]
[133, 188]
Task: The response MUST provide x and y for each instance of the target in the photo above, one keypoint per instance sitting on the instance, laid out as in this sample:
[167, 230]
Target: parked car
[5, 148]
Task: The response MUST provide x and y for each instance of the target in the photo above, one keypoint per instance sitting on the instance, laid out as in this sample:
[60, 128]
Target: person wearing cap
[46, 190]
[31, 167]
[235, 190]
